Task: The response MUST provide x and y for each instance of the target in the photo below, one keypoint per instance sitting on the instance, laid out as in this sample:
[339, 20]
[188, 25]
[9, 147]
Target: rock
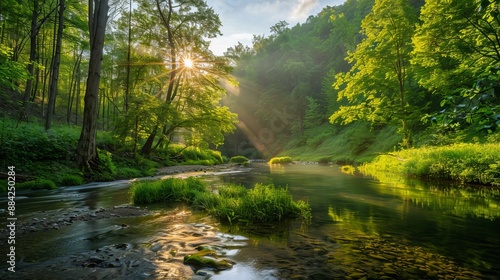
[378, 257]
[121, 246]
[357, 275]
[157, 247]
[96, 259]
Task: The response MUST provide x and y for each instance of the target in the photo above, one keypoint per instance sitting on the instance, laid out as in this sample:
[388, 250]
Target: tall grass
[467, 163]
[231, 203]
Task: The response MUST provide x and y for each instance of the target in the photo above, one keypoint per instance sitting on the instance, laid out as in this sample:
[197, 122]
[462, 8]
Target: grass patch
[70, 180]
[230, 203]
[36, 184]
[281, 160]
[239, 159]
[467, 163]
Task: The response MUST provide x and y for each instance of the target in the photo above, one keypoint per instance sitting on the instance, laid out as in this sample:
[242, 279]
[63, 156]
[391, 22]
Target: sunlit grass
[281, 160]
[467, 163]
[230, 203]
[348, 169]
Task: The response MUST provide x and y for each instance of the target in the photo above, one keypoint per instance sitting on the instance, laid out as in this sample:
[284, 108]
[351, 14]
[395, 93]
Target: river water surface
[361, 228]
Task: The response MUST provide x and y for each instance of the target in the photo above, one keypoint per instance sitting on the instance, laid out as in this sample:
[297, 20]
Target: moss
[199, 259]
[281, 160]
[239, 159]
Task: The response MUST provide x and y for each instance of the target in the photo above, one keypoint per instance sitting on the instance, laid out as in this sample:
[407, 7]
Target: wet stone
[155, 248]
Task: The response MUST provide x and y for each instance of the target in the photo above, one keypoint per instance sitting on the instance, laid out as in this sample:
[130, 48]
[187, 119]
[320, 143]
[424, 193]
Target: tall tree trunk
[127, 85]
[55, 68]
[86, 151]
[166, 18]
[33, 35]
[73, 86]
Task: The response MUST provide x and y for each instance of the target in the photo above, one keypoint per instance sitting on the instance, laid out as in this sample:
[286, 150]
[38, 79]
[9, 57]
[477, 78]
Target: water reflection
[444, 223]
[458, 200]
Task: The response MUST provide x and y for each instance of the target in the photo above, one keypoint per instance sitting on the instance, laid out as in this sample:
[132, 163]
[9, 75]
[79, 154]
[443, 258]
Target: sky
[241, 19]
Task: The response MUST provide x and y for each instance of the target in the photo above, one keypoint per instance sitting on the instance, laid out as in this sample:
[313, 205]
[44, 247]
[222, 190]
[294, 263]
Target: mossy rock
[200, 260]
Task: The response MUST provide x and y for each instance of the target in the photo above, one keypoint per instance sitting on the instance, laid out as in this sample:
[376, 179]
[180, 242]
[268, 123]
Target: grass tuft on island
[281, 160]
[239, 160]
[467, 163]
[231, 203]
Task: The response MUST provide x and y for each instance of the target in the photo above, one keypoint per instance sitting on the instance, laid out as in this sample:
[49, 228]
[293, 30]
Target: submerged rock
[200, 260]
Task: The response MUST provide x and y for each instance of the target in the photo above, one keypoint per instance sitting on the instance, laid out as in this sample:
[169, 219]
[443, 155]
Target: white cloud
[220, 44]
[241, 19]
[303, 9]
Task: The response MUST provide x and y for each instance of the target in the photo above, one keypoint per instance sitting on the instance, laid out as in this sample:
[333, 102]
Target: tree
[377, 86]
[86, 151]
[55, 67]
[457, 55]
[186, 24]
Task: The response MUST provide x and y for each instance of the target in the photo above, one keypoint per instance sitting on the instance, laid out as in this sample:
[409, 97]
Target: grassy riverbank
[464, 156]
[467, 163]
[230, 203]
[46, 158]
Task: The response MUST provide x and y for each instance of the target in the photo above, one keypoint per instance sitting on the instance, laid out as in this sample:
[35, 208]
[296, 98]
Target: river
[361, 228]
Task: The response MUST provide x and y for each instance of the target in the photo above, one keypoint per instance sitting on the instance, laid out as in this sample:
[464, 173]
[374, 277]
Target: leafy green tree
[457, 54]
[378, 85]
[12, 73]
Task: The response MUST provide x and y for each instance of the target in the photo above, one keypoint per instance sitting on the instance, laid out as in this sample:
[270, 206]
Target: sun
[188, 63]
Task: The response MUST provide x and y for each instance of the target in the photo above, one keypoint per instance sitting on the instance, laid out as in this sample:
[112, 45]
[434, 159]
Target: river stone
[357, 275]
[157, 247]
[378, 257]
[96, 259]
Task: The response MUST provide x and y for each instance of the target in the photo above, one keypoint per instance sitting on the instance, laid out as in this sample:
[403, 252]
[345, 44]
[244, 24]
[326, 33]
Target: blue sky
[241, 19]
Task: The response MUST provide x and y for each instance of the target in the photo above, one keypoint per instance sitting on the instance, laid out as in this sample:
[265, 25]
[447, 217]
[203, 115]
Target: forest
[116, 89]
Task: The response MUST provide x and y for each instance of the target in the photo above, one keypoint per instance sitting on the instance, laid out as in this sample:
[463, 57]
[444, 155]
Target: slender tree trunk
[127, 86]
[33, 35]
[86, 152]
[55, 69]
[78, 91]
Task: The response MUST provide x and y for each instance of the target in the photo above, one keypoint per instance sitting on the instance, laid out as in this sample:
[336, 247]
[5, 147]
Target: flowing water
[360, 227]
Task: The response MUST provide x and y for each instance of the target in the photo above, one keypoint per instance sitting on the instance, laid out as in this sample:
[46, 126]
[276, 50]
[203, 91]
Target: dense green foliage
[231, 203]
[146, 97]
[468, 163]
[397, 65]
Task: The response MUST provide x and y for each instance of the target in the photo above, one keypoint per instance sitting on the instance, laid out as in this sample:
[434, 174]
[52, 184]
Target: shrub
[107, 169]
[127, 173]
[37, 184]
[238, 159]
[348, 169]
[71, 180]
[281, 160]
